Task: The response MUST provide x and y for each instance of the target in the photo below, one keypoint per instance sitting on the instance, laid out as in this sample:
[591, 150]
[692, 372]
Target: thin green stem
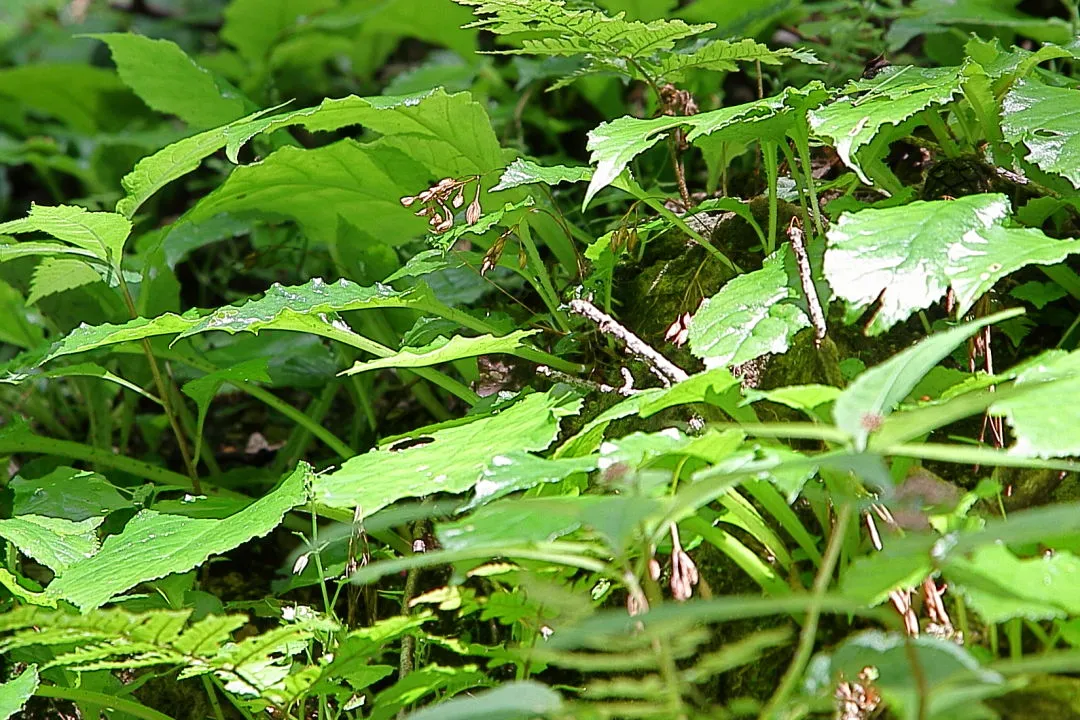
[541, 278]
[162, 388]
[690, 232]
[941, 133]
[768, 156]
[802, 145]
[211, 693]
[813, 615]
[131, 707]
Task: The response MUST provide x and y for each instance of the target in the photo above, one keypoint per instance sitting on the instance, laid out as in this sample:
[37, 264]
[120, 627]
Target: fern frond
[578, 32]
[722, 56]
[613, 44]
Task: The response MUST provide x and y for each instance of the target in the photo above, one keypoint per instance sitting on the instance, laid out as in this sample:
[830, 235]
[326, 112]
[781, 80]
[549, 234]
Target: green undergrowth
[530, 358]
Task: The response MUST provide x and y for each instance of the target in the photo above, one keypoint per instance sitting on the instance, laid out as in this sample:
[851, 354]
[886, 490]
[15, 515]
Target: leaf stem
[813, 615]
[104, 700]
[164, 391]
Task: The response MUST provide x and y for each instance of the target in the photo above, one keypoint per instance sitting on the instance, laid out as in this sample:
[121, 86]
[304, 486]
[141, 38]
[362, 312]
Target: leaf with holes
[450, 460]
[1046, 120]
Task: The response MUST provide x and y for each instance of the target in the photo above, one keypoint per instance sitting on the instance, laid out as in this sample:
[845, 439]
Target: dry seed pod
[459, 198]
[408, 200]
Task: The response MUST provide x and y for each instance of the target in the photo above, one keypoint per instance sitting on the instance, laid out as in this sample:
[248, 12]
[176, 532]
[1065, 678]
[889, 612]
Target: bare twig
[660, 366]
[806, 277]
[627, 388]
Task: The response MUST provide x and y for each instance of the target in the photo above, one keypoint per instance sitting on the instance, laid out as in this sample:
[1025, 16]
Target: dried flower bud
[301, 563]
[436, 219]
[618, 237]
[523, 259]
[473, 212]
[459, 198]
[444, 225]
[632, 239]
[408, 200]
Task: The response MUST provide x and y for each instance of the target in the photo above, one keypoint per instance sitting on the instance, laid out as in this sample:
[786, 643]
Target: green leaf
[614, 144]
[450, 135]
[443, 350]
[358, 183]
[450, 460]
[999, 586]
[1040, 433]
[950, 676]
[66, 493]
[754, 314]
[56, 543]
[526, 172]
[931, 16]
[153, 545]
[905, 258]
[16, 325]
[709, 386]
[169, 81]
[521, 699]
[202, 390]
[171, 162]
[862, 407]
[15, 693]
[872, 106]
[1046, 120]
[57, 274]
[100, 234]
[88, 99]
[279, 308]
[723, 56]
[253, 27]
[516, 471]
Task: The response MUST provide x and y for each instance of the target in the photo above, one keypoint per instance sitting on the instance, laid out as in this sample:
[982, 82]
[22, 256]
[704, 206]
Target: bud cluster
[437, 200]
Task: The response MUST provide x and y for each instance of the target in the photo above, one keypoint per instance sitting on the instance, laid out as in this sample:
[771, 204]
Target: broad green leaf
[153, 545]
[805, 398]
[851, 122]
[171, 162]
[253, 27]
[444, 680]
[361, 184]
[519, 699]
[862, 407]
[17, 326]
[614, 144]
[446, 135]
[754, 314]
[450, 135]
[15, 692]
[279, 308]
[526, 172]
[443, 350]
[66, 493]
[1040, 433]
[169, 81]
[56, 543]
[1046, 120]
[79, 370]
[101, 234]
[88, 99]
[905, 258]
[57, 274]
[932, 16]
[450, 460]
[13, 251]
[516, 471]
[1000, 586]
